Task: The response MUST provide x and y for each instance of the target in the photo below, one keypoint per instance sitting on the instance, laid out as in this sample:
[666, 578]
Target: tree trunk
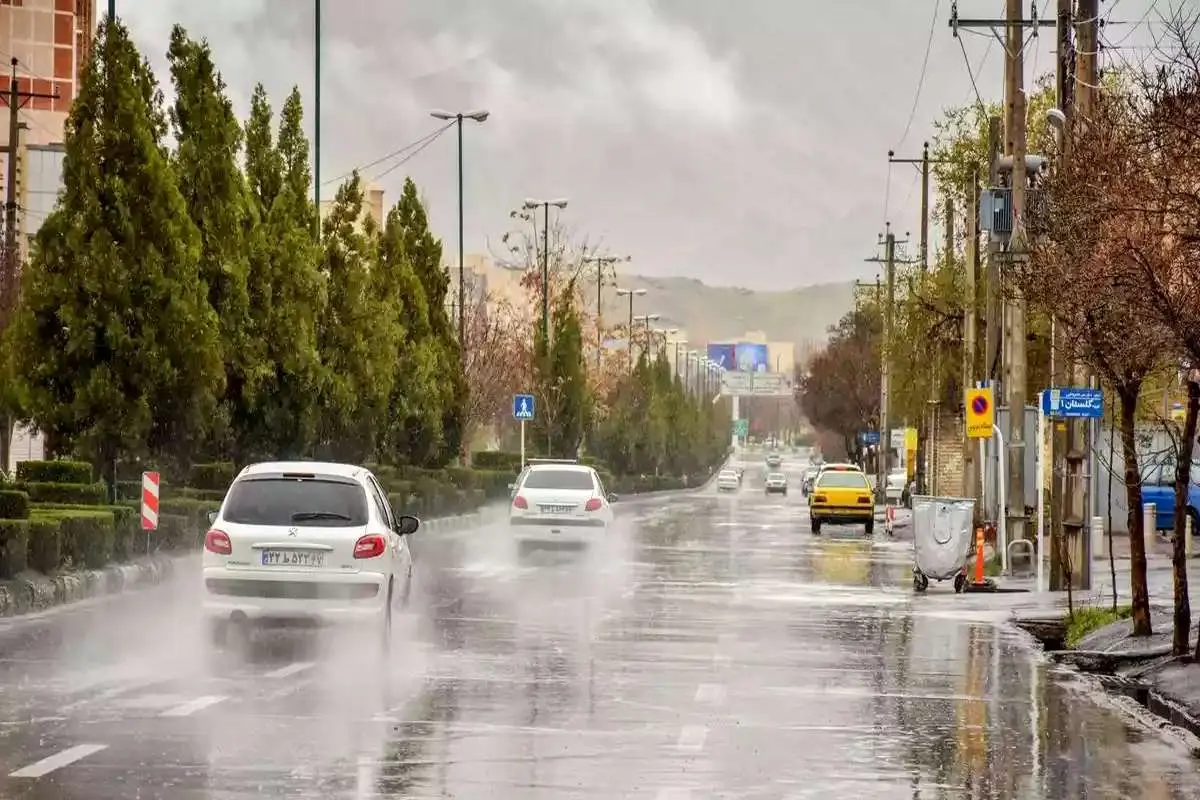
[1139, 595]
[1183, 478]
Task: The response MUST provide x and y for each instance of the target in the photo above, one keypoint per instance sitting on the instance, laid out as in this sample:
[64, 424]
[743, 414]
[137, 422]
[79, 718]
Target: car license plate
[557, 509]
[292, 558]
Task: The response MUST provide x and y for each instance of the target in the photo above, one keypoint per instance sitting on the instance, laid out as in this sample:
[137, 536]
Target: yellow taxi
[842, 495]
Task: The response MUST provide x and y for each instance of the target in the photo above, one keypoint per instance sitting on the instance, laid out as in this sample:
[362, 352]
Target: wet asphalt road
[715, 648]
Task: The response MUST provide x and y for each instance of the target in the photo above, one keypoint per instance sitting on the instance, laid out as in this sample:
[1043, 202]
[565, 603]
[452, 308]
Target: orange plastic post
[979, 555]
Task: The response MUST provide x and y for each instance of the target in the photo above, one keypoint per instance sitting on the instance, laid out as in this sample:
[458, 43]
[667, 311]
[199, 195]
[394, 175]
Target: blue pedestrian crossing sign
[524, 406]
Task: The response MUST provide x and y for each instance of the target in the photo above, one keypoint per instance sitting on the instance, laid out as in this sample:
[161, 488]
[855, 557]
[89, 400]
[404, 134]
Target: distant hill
[716, 313]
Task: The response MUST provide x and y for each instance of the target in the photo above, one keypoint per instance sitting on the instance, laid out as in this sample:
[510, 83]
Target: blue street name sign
[1067, 402]
[869, 437]
[524, 406]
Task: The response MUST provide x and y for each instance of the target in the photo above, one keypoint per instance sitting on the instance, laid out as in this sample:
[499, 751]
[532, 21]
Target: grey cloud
[738, 143]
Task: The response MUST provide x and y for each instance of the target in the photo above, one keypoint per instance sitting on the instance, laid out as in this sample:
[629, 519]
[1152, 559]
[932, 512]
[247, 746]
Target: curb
[30, 592]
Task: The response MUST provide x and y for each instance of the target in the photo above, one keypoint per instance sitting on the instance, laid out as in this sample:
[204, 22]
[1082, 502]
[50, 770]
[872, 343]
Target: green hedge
[54, 472]
[14, 546]
[14, 504]
[214, 477]
[90, 494]
[496, 460]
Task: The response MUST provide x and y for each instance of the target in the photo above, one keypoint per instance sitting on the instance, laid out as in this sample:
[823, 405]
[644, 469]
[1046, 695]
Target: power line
[921, 80]
[428, 141]
[418, 145]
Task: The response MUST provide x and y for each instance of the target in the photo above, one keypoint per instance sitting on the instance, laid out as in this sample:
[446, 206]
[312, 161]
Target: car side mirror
[407, 524]
[212, 517]
[612, 497]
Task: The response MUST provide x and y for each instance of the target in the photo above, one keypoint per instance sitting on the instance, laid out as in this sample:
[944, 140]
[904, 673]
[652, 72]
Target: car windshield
[574, 479]
[298, 502]
[842, 479]
[775, 476]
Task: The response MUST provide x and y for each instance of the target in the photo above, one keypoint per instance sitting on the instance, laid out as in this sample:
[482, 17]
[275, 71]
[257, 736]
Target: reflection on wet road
[714, 648]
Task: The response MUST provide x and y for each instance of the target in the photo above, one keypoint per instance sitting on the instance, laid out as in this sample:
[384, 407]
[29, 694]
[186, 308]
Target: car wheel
[816, 527]
[870, 527]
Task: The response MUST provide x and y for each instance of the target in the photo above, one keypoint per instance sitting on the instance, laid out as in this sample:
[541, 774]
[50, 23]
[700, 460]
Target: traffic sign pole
[522, 445]
[1041, 486]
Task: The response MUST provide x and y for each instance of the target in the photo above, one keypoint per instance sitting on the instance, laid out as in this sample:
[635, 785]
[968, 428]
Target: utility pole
[10, 277]
[316, 114]
[1079, 458]
[926, 431]
[533, 205]
[889, 242]
[1014, 327]
[1060, 356]
[601, 262]
[970, 327]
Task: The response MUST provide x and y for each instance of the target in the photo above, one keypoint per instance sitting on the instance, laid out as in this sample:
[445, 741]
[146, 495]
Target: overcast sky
[738, 143]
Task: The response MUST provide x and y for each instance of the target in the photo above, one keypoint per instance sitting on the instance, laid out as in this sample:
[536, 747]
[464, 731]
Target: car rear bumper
[727, 487]
[777, 489]
[263, 596]
[562, 531]
[842, 515]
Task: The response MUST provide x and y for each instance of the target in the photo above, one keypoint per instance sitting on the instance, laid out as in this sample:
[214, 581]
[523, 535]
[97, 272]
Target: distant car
[774, 461]
[895, 486]
[842, 497]
[776, 483]
[810, 475]
[305, 543]
[559, 503]
[728, 481]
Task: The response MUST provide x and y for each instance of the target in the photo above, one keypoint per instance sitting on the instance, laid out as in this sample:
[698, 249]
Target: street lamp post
[631, 293]
[646, 319]
[601, 262]
[530, 205]
[479, 115]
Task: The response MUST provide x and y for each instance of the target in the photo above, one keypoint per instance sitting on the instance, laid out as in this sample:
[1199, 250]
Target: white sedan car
[304, 543]
[728, 481]
[559, 504]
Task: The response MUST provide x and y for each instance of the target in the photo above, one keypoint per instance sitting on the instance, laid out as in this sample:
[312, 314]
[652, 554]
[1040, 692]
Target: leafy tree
[437, 343]
[413, 427]
[359, 332]
[561, 382]
[208, 137]
[286, 292]
[116, 343]
[840, 391]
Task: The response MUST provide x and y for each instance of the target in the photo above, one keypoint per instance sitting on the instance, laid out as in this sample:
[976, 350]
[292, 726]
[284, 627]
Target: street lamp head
[531, 203]
[1056, 117]
[560, 202]
[479, 115]
[438, 113]
[638, 292]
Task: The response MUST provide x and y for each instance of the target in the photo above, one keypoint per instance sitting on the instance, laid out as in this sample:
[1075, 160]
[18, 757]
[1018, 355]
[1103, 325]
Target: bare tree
[1081, 274]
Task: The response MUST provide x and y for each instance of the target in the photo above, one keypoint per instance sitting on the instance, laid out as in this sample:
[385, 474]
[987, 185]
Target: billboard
[724, 355]
[751, 357]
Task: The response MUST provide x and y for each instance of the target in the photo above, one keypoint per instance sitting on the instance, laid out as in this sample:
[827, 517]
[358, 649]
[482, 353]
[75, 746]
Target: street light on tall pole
[479, 115]
[646, 319]
[531, 205]
[630, 293]
[601, 262]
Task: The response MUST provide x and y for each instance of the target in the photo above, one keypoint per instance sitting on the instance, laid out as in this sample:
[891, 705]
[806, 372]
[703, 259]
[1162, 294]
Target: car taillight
[820, 498]
[862, 498]
[370, 546]
[519, 502]
[216, 541]
[593, 505]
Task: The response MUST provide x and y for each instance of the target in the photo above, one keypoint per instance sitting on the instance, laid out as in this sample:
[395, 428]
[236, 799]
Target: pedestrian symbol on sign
[524, 406]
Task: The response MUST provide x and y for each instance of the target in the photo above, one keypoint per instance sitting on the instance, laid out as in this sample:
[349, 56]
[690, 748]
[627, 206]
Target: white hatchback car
[559, 503]
[306, 543]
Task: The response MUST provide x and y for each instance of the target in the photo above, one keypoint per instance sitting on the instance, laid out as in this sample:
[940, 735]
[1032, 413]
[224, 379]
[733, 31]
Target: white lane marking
[200, 703]
[692, 738]
[57, 761]
[674, 794]
[109, 694]
[711, 693]
[364, 779]
[289, 670]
